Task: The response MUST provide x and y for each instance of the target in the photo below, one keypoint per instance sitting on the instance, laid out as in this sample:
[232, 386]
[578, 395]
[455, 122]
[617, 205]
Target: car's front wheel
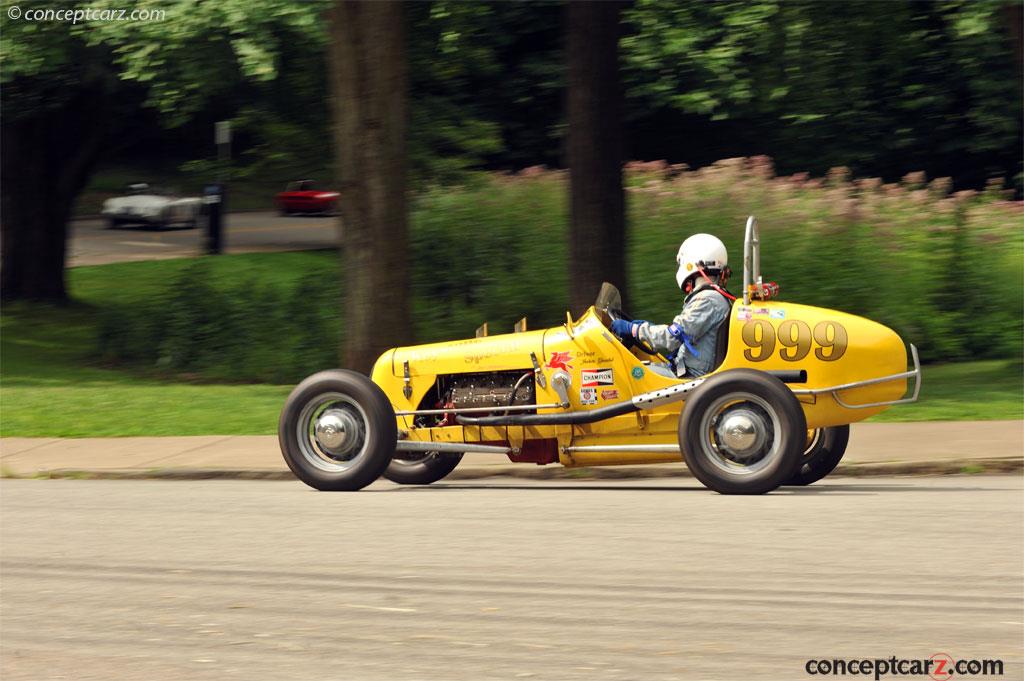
[822, 454]
[421, 468]
[742, 432]
[337, 431]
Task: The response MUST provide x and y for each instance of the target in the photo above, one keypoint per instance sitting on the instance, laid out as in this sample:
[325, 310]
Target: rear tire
[822, 457]
[431, 468]
[742, 432]
[337, 431]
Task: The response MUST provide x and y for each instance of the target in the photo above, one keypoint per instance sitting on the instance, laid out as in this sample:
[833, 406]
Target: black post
[213, 202]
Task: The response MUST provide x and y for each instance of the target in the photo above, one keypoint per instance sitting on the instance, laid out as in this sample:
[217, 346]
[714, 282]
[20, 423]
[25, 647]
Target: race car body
[788, 380]
[144, 205]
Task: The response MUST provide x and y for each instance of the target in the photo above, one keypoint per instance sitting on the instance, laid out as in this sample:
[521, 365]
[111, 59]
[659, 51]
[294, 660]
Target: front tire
[742, 432]
[822, 456]
[337, 431]
[428, 468]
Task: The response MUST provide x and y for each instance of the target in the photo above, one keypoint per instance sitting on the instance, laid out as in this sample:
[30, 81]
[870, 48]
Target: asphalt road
[93, 243]
[503, 579]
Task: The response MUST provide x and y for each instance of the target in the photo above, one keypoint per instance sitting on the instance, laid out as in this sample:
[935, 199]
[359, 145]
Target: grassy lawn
[52, 387]
[969, 391]
[54, 384]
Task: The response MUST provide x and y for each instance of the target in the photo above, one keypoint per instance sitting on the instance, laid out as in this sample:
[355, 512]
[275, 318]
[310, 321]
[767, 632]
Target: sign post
[214, 194]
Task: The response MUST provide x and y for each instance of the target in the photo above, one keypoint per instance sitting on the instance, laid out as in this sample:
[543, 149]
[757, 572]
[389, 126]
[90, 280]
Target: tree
[597, 227]
[69, 87]
[882, 88]
[369, 89]
[51, 131]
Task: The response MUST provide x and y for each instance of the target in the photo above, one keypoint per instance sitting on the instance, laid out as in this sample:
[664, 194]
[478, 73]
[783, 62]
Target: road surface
[503, 579]
[93, 243]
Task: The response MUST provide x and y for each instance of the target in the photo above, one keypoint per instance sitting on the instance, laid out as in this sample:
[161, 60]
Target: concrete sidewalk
[932, 447]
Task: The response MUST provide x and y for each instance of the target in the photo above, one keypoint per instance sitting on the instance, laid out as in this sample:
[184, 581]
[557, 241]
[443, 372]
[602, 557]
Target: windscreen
[608, 299]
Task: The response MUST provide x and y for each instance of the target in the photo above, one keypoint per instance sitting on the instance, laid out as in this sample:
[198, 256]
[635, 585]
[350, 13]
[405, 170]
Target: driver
[689, 341]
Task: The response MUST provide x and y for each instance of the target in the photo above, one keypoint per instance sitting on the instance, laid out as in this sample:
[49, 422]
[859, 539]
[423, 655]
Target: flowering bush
[944, 270]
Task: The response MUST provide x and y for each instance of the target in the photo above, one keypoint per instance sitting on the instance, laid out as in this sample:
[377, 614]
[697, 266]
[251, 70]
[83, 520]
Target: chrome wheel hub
[739, 433]
[336, 430]
[333, 432]
[742, 432]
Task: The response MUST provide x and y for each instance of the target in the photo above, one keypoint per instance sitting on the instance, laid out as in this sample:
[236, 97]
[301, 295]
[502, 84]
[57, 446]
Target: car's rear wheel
[337, 431]
[742, 432]
[421, 468]
[822, 454]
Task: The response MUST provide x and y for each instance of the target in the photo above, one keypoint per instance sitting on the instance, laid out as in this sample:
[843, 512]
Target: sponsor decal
[744, 313]
[588, 395]
[778, 314]
[560, 360]
[612, 394]
[638, 372]
[592, 377]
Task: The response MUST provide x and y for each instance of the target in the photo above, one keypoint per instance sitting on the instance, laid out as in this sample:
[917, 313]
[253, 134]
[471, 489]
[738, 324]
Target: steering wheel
[615, 313]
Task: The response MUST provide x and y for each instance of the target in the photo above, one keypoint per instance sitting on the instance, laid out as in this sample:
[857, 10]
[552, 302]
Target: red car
[302, 196]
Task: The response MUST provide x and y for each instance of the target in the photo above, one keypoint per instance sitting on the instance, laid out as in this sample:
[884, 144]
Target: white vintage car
[145, 205]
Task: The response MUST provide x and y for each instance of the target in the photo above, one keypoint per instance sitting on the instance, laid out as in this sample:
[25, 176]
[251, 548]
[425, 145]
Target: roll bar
[751, 258]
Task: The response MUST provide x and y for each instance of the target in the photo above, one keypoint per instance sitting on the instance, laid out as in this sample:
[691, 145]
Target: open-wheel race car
[788, 380]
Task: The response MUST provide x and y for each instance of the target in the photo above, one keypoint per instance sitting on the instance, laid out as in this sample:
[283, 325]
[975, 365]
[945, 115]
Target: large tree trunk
[45, 161]
[368, 81]
[597, 231]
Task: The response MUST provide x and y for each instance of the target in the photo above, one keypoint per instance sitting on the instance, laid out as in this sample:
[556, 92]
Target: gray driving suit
[703, 310]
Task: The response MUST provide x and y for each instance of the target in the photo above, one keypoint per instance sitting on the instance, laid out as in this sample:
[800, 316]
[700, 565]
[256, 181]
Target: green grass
[54, 385]
[969, 391]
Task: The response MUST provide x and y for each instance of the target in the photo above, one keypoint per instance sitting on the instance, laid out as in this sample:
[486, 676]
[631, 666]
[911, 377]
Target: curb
[989, 466]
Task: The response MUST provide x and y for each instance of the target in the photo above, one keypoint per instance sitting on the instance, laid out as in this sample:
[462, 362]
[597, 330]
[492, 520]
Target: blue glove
[622, 328]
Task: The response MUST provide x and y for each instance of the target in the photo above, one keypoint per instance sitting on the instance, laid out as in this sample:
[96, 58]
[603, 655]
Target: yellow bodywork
[834, 348]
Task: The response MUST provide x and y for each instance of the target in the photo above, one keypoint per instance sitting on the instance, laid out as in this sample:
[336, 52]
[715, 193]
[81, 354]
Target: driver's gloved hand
[622, 328]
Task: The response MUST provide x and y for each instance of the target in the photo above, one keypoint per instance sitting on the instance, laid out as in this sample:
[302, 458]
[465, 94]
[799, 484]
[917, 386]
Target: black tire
[776, 424]
[113, 224]
[429, 468]
[351, 399]
[822, 457]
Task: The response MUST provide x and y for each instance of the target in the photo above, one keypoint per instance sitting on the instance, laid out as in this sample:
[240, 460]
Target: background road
[503, 579]
[92, 243]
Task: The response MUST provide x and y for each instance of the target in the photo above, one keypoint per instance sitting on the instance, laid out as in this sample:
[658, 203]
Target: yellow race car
[788, 381]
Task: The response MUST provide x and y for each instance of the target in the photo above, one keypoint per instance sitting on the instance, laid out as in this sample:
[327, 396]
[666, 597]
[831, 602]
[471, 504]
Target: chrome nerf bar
[454, 447]
[834, 390]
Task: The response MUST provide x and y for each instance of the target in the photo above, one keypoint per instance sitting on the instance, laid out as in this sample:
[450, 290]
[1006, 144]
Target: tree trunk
[45, 162]
[368, 82]
[597, 228]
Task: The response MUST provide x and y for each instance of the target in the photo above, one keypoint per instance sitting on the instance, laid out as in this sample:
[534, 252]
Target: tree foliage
[883, 88]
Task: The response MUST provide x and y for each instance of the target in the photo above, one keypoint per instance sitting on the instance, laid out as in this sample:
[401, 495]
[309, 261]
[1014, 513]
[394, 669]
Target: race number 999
[795, 339]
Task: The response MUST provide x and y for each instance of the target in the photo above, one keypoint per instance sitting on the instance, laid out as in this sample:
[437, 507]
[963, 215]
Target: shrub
[249, 331]
[945, 271]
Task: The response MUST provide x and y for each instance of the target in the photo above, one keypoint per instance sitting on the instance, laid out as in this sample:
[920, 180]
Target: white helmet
[702, 250]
